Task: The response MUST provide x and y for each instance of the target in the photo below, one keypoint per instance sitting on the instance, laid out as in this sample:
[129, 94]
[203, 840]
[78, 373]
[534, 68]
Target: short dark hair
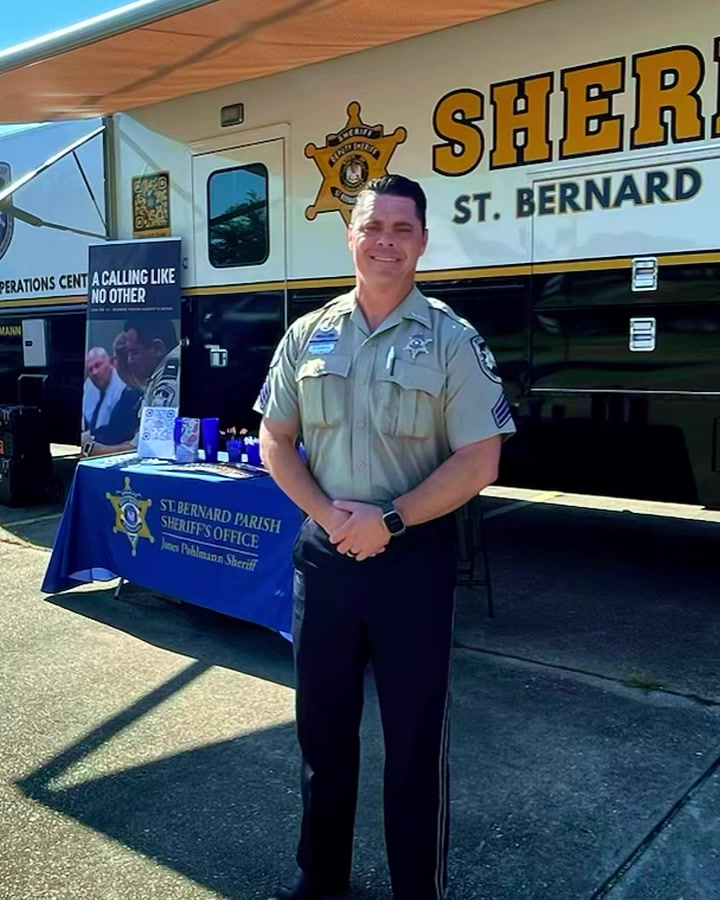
[153, 328]
[399, 186]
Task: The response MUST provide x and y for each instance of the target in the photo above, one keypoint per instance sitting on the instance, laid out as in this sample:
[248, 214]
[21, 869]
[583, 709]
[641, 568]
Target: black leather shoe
[305, 890]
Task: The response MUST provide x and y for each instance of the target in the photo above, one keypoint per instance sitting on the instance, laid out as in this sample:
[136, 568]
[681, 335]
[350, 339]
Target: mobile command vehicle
[571, 157]
[46, 226]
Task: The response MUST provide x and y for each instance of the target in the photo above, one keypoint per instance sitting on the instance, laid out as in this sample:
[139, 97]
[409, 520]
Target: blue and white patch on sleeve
[485, 359]
[501, 412]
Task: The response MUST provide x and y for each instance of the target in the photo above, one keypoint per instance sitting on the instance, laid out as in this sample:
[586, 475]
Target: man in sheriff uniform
[402, 412]
[154, 357]
[164, 386]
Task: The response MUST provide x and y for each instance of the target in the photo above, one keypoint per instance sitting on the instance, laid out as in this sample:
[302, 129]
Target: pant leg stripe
[446, 813]
[443, 818]
[442, 799]
[443, 823]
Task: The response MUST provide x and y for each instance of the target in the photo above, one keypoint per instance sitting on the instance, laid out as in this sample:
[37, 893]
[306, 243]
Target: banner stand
[132, 348]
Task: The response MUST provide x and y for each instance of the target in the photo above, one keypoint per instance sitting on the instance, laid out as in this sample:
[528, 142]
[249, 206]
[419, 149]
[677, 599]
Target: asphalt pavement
[147, 747]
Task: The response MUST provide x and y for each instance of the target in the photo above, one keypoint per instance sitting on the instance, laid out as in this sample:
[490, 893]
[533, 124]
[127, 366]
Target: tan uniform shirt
[378, 412]
[163, 388]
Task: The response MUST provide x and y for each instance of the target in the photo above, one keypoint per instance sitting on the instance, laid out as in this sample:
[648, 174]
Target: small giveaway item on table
[187, 439]
[156, 438]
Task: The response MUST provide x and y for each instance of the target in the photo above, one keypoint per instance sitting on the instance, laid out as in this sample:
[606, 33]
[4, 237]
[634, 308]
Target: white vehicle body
[570, 153]
[616, 164]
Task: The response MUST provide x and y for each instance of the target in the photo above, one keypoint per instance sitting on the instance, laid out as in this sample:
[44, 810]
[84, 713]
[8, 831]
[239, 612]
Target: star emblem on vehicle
[350, 158]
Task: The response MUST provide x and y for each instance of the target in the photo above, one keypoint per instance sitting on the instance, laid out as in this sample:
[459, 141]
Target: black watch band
[393, 520]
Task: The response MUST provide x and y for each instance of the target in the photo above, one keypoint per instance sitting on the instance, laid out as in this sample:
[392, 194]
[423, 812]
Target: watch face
[394, 522]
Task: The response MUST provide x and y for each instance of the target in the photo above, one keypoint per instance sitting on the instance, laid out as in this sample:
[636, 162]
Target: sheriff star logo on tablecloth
[130, 511]
[350, 159]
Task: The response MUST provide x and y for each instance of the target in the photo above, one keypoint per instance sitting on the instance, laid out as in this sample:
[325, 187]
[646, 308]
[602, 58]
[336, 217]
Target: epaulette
[171, 368]
[442, 307]
[338, 299]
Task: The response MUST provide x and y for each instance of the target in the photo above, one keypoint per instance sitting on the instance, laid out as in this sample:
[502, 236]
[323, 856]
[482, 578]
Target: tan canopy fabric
[169, 48]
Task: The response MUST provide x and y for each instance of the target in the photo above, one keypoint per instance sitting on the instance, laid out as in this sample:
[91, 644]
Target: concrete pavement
[147, 748]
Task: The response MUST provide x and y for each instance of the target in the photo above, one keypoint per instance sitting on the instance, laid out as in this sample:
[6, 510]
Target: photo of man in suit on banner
[103, 388]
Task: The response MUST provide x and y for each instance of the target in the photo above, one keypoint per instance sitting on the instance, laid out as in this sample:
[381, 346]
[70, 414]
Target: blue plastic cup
[211, 439]
[252, 448]
[235, 448]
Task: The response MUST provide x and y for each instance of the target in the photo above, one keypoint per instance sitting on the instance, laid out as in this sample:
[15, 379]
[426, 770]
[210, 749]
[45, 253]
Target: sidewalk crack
[559, 667]
[634, 857]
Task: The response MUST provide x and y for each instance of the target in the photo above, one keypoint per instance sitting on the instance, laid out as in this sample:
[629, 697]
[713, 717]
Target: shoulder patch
[485, 359]
[163, 395]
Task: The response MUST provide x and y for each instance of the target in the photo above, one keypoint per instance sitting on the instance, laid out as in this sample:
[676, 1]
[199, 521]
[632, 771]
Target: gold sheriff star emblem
[130, 511]
[350, 159]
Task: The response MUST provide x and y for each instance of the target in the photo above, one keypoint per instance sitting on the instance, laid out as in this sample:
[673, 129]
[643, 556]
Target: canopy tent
[9, 208]
[156, 50]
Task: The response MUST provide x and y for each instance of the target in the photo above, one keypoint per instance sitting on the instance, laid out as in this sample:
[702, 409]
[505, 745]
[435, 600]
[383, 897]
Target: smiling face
[386, 239]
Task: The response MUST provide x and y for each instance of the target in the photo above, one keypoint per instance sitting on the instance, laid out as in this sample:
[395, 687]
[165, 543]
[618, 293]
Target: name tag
[323, 341]
[321, 348]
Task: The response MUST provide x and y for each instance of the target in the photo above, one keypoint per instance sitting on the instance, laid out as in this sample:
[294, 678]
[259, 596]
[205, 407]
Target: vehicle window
[238, 216]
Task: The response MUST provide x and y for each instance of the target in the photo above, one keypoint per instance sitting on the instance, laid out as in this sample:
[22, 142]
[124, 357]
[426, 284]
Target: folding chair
[471, 539]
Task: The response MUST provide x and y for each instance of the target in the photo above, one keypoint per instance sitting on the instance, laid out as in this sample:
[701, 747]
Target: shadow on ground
[559, 779]
[555, 783]
[628, 596]
[191, 631]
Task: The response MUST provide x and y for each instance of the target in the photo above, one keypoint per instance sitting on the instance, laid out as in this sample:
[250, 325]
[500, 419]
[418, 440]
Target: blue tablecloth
[213, 535]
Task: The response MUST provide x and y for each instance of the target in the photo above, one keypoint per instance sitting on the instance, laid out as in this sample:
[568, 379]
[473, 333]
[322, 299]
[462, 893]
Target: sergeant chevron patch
[501, 412]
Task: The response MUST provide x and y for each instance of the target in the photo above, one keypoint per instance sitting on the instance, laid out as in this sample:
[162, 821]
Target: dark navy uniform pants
[394, 610]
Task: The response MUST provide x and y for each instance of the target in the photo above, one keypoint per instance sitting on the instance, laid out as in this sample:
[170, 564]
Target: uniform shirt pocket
[408, 400]
[323, 390]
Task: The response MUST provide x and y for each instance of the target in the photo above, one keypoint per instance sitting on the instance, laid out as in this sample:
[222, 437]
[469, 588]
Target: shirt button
[361, 464]
[360, 423]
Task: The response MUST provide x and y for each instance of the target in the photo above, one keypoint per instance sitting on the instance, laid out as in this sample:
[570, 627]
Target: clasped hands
[357, 529]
